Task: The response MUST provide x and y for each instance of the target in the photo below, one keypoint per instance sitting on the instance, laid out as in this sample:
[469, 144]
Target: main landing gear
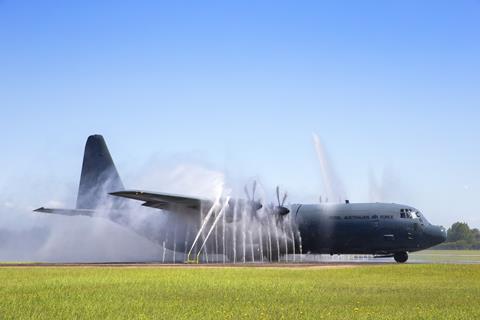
[401, 257]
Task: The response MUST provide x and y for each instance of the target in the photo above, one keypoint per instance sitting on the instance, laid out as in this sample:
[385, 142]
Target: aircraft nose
[437, 234]
[444, 234]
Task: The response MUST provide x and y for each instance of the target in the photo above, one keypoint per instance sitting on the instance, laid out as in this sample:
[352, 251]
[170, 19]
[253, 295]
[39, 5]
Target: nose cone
[436, 235]
[444, 234]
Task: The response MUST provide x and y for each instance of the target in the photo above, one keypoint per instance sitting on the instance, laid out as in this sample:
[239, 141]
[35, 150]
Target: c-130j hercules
[245, 229]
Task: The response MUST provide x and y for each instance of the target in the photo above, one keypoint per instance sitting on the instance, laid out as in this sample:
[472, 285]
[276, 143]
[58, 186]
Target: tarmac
[319, 261]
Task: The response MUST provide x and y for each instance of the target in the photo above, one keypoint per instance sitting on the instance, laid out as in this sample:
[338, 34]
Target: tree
[460, 231]
[476, 235]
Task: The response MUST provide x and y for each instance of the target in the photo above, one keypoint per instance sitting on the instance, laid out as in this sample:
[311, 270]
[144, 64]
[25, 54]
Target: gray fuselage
[369, 228]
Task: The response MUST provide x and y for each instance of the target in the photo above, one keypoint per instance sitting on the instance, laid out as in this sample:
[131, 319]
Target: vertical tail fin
[99, 176]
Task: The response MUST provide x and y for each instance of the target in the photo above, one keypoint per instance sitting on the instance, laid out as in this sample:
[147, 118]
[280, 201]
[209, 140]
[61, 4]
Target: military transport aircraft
[247, 229]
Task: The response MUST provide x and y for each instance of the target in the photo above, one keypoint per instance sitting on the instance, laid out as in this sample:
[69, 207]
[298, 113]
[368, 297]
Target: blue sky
[390, 86]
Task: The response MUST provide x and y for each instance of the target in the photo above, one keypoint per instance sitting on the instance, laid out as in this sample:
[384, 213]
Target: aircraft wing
[163, 200]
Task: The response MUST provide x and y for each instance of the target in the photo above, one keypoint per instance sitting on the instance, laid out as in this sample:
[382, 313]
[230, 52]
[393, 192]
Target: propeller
[254, 189]
[281, 210]
[252, 203]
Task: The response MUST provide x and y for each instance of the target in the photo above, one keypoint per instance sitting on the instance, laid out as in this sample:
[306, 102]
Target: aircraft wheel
[401, 257]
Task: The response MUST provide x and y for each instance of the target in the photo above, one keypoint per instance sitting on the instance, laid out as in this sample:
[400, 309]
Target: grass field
[364, 292]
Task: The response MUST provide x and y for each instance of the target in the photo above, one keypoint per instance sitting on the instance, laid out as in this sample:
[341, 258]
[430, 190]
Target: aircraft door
[414, 230]
[413, 225]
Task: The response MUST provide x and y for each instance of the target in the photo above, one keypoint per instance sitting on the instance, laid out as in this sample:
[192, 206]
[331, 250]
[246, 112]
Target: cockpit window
[404, 213]
[409, 214]
[419, 216]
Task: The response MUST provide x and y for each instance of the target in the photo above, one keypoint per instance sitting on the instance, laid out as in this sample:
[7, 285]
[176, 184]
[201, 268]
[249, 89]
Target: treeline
[461, 237]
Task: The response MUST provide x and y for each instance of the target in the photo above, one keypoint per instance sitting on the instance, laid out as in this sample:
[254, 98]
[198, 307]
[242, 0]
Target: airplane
[247, 230]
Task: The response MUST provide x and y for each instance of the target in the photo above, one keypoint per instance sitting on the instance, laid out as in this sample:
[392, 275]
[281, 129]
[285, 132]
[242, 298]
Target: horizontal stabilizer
[67, 212]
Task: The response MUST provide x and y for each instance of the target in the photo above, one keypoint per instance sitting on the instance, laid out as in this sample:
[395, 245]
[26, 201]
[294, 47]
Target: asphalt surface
[319, 261]
[321, 265]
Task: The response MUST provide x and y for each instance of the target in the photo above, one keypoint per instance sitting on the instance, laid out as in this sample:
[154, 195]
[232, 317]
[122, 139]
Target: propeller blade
[284, 199]
[278, 195]
[246, 193]
[254, 189]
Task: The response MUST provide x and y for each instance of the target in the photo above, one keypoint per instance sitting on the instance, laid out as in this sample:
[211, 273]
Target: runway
[319, 265]
[299, 261]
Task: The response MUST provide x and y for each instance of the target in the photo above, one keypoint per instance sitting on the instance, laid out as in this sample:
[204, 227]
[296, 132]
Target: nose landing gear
[401, 257]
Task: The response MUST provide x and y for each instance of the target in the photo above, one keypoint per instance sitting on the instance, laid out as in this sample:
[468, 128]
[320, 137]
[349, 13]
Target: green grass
[366, 292]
